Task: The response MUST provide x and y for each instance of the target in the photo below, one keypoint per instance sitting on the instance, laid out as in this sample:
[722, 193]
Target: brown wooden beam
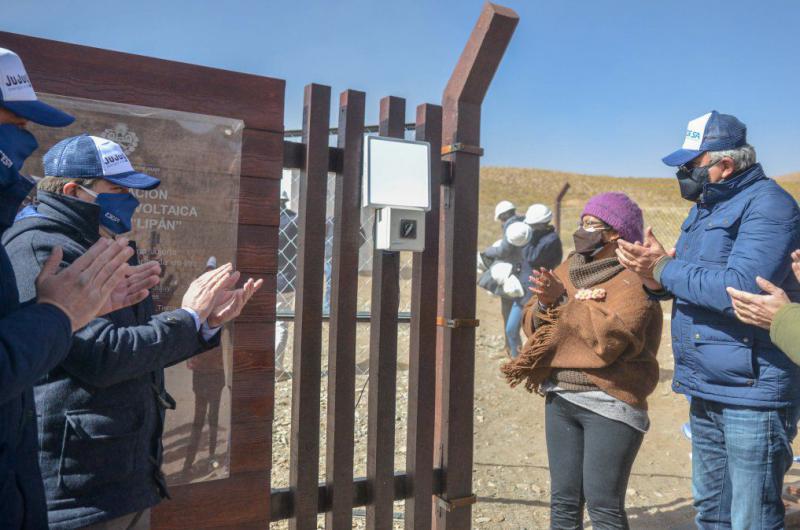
[282, 499]
[422, 343]
[462, 101]
[383, 357]
[344, 307]
[304, 436]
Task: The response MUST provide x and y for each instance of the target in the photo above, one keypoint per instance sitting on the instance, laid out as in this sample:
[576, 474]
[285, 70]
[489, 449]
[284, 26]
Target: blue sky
[594, 86]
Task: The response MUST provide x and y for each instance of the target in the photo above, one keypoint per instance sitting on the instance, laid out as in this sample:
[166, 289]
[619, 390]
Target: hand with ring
[547, 286]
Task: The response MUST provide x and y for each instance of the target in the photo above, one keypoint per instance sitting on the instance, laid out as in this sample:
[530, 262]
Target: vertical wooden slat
[422, 351]
[304, 442]
[344, 297]
[383, 357]
[459, 234]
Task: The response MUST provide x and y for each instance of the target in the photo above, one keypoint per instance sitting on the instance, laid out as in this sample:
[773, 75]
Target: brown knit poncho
[613, 341]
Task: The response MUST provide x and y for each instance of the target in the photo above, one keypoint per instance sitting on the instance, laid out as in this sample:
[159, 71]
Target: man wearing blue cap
[36, 337]
[745, 396]
[102, 409]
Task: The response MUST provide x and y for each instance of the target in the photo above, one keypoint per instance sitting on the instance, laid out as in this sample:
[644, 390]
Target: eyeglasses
[593, 227]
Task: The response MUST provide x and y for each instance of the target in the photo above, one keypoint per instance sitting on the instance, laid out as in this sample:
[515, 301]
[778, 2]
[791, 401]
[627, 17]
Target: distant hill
[790, 177]
[659, 197]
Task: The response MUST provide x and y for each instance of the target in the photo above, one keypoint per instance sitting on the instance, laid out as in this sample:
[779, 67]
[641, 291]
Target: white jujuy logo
[112, 158]
[695, 131]
[15, 84]
[125, 137]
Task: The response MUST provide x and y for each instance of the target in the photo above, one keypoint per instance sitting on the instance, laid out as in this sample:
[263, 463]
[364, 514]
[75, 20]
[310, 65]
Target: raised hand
[641, 258]
[758, 309]
[232, 303]
[82, 289]
[547, 286]
[134, 288]
[209, 289]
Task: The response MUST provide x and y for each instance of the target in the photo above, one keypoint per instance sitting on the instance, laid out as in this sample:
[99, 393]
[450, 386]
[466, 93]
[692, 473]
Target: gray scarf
[584, 274]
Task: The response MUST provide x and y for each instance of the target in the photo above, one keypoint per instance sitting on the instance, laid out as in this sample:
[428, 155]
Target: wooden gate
[437, 482]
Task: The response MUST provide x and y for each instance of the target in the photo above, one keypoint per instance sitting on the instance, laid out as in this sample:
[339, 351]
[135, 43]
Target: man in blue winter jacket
[745, 396]
[36, 336]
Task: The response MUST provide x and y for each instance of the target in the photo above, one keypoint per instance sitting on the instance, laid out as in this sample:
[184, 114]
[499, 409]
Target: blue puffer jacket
[33, 339]
[101, 410]
[744, 227]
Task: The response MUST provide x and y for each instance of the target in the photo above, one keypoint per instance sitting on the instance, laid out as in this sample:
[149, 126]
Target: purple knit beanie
[619, 212]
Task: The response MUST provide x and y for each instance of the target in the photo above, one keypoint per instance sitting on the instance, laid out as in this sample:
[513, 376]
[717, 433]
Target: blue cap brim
[680, 157]
[135, 180]
[39, 112]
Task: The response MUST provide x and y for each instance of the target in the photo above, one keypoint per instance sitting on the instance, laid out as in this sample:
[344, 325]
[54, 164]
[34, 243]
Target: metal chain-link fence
[287, 274]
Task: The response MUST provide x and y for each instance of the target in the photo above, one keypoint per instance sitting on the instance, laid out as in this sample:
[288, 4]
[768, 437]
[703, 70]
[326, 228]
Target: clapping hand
[232, 302]
[134, 288]
[759, 309]
[207, 291]
[82, 289]
[547, 286]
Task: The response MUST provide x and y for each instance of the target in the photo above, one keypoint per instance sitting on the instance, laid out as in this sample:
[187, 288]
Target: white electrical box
[397, 173]
[399, 229]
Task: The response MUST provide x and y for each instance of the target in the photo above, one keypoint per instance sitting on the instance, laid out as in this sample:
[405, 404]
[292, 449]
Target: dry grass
[659, 198]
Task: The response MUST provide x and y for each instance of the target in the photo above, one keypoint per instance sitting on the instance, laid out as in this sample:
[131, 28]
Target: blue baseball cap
[88, 157]
[17, 95]
[709, 132]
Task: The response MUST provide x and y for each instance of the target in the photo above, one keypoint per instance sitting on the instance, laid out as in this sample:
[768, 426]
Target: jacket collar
[81, 216]
[721, 191]
[10, 200]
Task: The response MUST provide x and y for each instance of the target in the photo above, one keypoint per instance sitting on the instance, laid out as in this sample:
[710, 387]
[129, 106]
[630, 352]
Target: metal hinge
[457, 322]
[452, 504]
[458, 147]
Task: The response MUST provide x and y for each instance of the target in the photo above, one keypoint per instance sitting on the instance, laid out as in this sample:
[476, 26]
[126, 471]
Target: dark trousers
[590, 459]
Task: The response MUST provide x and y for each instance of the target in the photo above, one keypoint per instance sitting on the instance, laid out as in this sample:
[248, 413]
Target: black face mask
[692, 180]
[588, 243]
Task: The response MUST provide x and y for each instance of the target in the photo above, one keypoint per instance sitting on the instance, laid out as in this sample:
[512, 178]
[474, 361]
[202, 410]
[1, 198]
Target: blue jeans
[512, 328]
[739, 457]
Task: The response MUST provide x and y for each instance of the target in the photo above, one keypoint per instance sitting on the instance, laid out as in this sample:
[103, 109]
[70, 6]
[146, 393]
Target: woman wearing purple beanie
[593, 334]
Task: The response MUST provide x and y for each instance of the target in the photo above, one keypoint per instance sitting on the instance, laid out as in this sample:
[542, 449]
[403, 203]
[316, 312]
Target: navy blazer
[33, 339]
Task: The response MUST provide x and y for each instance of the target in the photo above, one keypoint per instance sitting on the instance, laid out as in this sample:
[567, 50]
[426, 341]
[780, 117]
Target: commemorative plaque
[188, 224]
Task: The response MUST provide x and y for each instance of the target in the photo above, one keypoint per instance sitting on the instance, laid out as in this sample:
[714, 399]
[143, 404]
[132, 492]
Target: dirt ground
[511, 471]
[511, 477]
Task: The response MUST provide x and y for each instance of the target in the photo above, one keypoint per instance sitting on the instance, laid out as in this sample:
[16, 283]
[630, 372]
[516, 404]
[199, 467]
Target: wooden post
[462, 101]
[383, 357]
[422, 352]
[557, 213]
[344, 297]
[304, 442]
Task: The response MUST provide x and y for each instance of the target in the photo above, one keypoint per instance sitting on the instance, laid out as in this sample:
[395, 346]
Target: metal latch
[452, 504]
[457, 322]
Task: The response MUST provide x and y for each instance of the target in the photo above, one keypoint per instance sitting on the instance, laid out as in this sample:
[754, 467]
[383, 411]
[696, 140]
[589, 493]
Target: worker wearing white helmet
[538, 214]
[506, 213]
[502, 277]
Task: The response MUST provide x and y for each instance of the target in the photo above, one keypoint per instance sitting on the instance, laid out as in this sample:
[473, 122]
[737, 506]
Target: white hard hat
[500, 271]
[538, 214]
[211, 263]
[519, 234]
[503, 207]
